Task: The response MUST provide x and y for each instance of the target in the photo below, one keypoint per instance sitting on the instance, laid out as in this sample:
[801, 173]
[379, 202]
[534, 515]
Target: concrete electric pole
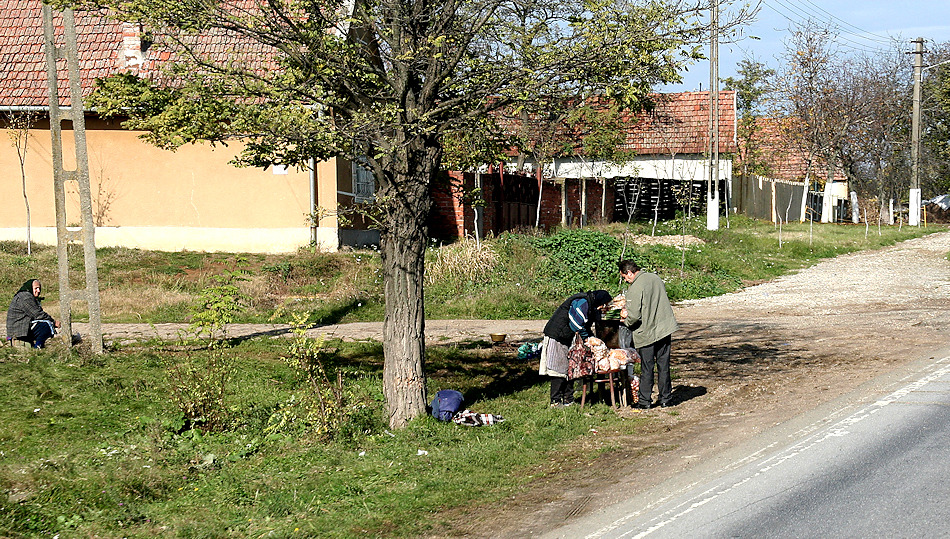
[712, 187]
[913, 218]
[63, 46]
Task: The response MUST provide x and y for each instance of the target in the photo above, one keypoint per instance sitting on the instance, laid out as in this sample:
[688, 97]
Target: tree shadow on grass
[510, 383]
[276, 332]
[703, 353]
[337, 313]
[481, 371]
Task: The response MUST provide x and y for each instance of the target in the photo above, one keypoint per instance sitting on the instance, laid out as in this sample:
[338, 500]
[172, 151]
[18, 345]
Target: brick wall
[511, 203]
[449, 218]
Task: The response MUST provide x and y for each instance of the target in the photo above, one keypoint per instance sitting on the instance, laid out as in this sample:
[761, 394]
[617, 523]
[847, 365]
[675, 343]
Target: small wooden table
[616, 381]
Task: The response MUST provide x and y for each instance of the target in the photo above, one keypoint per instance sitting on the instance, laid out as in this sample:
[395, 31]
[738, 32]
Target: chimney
[132, 50]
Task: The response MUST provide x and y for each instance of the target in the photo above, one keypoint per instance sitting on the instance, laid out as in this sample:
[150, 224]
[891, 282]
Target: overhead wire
[797, 13]
[845, 34]
[863, 32]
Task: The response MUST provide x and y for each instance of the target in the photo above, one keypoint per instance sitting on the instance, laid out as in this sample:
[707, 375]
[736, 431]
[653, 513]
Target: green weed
[103, 450]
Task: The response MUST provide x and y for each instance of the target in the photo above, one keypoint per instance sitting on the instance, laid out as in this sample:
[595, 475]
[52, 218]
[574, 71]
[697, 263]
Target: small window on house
[364, 185]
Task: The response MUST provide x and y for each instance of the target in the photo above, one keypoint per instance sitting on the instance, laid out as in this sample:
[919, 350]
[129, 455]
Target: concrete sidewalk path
[437, 331]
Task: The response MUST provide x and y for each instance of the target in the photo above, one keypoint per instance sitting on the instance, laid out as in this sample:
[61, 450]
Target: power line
[796, 13]
[879, 38]
[803, 14]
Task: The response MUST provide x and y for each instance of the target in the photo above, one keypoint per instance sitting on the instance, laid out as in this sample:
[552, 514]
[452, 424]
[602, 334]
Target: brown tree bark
[403, 254]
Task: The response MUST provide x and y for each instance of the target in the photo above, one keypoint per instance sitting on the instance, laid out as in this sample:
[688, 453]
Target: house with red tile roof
[789, 159]
[193, 199]
[668, 145]
[795, 177]
[143, 196]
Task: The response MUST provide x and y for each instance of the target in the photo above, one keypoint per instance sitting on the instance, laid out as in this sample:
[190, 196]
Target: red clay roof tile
[679, 123]
[102, 46]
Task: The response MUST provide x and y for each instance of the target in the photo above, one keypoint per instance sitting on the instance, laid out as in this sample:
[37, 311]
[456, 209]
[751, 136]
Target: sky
[863, 26]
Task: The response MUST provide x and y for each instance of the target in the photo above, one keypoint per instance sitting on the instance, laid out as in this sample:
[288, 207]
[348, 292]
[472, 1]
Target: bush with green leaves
[198, 387]
[324, 406]
[217, 305]
[579, 259]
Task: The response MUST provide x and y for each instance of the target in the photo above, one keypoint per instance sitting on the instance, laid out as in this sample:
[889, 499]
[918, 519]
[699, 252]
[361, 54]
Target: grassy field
[510, 276]
[285, 437]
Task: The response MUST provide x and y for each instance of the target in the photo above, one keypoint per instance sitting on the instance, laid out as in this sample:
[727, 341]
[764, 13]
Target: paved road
[871, 463]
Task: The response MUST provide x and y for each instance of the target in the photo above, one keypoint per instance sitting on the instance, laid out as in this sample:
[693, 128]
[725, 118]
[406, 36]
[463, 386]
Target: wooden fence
[779, 200]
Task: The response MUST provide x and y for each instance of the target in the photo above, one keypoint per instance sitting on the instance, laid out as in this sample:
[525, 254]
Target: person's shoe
[641, 406]
[568, 403]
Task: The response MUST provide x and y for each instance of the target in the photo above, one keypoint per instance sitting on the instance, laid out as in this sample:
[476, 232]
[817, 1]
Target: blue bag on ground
[446, 403]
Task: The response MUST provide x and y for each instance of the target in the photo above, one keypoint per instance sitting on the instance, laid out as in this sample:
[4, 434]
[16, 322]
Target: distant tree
[874, 96]
[850, 112]
[20, 125]
[813, 91]
[753, 88]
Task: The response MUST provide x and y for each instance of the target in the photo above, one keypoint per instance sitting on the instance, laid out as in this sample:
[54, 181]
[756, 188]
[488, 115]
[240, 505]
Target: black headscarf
[27, 287]
[598, 298]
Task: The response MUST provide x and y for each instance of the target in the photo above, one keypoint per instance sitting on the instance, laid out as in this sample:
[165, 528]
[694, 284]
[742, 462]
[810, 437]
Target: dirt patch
[742, 363]
[673, 240]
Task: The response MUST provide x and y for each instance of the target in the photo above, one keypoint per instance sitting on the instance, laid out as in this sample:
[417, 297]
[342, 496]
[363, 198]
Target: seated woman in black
[26, 319]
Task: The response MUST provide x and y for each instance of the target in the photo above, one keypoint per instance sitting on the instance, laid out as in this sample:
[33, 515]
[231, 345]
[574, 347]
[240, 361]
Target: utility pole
[74, 115]
[913, 219]
[712, 186]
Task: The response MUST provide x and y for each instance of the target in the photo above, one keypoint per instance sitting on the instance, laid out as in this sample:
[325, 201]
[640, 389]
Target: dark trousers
[40, 332]
[562, 390]
[657, 354]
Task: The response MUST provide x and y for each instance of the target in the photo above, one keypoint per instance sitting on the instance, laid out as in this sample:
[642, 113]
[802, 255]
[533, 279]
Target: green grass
[96, 446]
[510, 276]
[93, 447]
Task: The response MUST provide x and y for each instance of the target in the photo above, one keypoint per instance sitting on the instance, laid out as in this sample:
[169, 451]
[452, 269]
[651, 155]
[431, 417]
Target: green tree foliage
[387, 82]
[752, 87]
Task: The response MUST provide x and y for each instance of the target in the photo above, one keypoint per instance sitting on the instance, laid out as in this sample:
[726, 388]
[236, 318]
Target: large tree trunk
[403, 252]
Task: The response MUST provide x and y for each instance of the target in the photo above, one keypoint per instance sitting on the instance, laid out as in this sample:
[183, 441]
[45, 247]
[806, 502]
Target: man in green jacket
[650, 317]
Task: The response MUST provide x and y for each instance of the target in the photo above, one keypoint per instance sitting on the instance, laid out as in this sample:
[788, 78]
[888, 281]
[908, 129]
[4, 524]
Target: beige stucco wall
[151, 198]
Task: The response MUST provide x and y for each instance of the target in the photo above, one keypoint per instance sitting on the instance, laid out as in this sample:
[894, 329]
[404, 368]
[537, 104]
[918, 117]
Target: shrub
[198, 388]
[325, 406]
[217, 305]
[579, 259]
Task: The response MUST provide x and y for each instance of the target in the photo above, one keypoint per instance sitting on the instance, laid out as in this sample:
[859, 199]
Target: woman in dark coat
[575, 315]
[26, 319]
